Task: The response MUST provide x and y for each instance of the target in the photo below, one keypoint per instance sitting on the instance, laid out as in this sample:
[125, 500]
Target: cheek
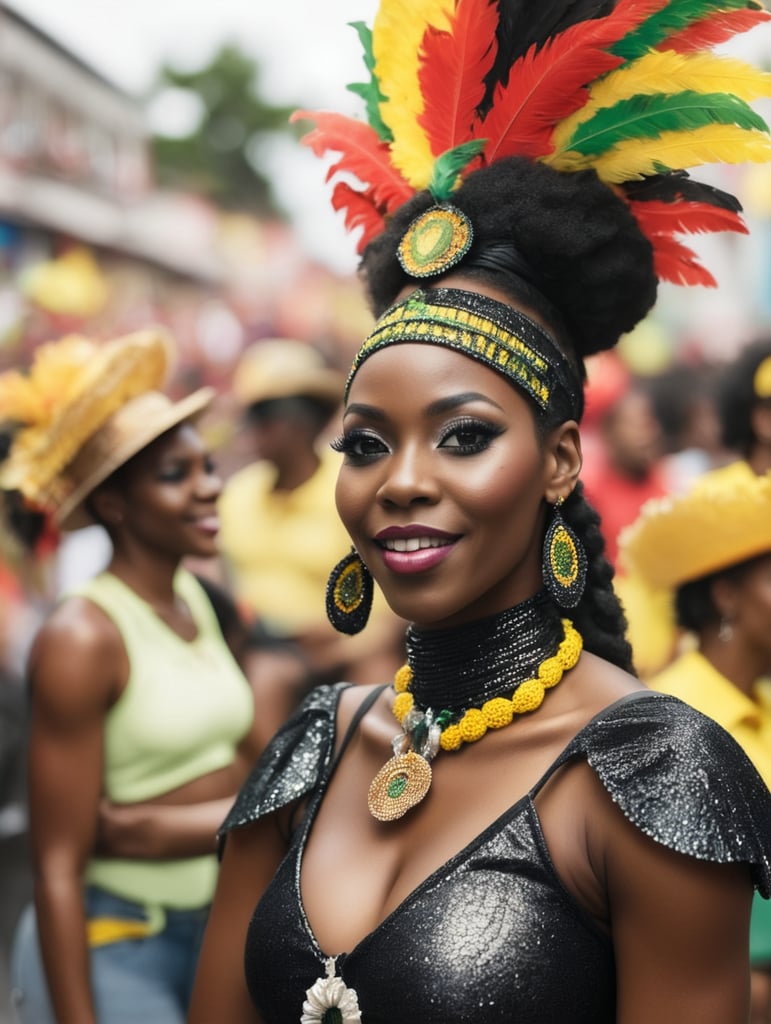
[352, 497]
[503, 488]
[760, 603]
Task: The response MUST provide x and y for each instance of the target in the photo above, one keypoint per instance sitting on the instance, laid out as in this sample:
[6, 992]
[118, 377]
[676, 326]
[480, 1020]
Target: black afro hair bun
[593, 264]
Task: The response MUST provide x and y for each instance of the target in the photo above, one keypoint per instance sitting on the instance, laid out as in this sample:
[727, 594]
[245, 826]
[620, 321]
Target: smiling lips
[415, 548]
[207, 524]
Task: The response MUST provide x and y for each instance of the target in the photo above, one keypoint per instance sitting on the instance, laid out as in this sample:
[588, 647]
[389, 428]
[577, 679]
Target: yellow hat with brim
[723, 520]
[76, 416]
[285, 368]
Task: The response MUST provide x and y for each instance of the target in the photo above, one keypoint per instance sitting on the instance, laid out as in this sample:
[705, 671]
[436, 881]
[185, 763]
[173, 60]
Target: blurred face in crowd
[165, 497]
[632, 435]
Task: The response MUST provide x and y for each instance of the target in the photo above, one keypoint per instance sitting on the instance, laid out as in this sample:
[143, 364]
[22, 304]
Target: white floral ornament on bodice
[329, 1001]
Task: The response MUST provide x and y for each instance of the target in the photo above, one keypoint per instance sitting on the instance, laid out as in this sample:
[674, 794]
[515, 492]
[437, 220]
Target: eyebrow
[437, 408]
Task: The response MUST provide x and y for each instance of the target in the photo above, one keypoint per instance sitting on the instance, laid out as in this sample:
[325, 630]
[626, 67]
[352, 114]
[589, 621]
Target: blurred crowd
[646, 437]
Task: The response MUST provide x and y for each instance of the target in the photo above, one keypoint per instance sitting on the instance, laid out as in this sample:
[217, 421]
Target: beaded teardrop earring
[564, 561]
[349, 594]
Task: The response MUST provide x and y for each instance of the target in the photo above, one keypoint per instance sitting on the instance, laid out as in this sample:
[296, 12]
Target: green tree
[217, 159]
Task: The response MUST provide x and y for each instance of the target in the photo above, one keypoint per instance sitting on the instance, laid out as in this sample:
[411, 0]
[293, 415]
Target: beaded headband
[491, 332]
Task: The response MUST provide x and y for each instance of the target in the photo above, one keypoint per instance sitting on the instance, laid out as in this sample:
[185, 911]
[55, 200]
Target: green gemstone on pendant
[334, 1015]
[397, 786]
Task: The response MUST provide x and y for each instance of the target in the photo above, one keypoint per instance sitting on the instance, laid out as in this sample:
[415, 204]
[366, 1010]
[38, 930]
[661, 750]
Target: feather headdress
[632, 90]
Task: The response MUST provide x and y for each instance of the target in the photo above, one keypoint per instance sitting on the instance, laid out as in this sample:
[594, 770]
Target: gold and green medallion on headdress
[435, 241]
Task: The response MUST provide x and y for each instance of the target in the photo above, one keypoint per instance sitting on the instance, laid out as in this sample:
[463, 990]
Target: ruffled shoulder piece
[293, 762]
[682, 780]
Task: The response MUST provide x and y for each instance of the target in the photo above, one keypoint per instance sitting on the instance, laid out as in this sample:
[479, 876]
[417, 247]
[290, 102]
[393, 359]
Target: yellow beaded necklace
[405, 779]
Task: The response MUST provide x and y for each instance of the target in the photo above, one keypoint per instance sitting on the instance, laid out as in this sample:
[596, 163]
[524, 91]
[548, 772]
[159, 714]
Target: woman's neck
[152, 580]
[465, 666]
[734, 661]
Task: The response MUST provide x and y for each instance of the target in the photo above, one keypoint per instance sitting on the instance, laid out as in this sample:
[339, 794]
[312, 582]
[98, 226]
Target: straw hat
[723, 520]
[82, 411]
[284, 368]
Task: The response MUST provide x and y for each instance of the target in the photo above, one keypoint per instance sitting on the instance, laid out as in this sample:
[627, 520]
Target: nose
[208, 484]
[409, 479]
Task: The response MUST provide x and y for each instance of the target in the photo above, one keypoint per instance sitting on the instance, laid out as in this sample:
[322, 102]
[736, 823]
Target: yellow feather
[397, 33]
[637, 158]
[661, 72]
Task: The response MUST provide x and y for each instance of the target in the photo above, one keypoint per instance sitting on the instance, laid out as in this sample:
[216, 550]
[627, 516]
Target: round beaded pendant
[435, 241]
[401, 783]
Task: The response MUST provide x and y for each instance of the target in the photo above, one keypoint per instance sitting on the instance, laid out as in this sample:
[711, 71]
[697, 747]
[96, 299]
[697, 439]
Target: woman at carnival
[544, 839]
[709, 552]
[137, 703]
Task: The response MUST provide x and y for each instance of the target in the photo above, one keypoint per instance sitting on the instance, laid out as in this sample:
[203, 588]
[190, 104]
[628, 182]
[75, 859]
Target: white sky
[305, 49]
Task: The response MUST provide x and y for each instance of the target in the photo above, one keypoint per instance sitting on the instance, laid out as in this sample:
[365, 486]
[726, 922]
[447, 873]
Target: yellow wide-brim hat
[285, 368]
[84, 409]
[724, 519]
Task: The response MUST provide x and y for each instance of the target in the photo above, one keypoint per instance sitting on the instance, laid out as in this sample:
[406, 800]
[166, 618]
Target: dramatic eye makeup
[468, 435]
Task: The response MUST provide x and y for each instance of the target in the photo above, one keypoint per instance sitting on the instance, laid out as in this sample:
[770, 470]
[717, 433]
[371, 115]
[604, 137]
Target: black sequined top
[493, 935]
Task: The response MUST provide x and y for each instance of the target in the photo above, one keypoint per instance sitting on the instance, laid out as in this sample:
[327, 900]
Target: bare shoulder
[355, 697]
[596, 683]
[77, 658]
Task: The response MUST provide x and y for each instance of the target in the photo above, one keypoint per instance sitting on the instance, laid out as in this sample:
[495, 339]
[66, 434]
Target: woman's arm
[72, 688]
[680, 931]
[152, 831]
[252, 855]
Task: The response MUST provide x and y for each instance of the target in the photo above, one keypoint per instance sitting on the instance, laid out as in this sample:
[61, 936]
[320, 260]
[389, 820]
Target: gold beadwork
[500, 711]
[406, 778]
[401, 783]
[476, 332]
[435, 241]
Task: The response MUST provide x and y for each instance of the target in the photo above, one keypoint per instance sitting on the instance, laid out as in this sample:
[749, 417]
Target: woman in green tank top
[142, 722]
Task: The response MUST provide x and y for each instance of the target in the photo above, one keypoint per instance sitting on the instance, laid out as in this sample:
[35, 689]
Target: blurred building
[75, 159]
[89, 242]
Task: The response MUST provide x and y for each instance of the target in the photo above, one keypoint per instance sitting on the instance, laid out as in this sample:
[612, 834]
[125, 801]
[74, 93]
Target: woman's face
[750, 614]
[166, 496]
[443, 483]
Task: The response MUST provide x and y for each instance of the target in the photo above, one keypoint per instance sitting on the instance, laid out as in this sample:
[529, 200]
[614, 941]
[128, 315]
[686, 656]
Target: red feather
[660, 218]
[660, 221]
[676, 263]
[362, 154]
[360, 212]
[549, 84]
[712, 31]
[453, 68]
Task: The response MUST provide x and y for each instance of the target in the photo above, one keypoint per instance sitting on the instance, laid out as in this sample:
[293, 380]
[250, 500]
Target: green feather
[370, 91]
[449, 166]
[672, 18]
[646, 117]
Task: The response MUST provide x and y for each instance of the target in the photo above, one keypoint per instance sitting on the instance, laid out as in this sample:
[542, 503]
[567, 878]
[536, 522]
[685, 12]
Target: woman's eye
[172, 474]
[468, 437]
[359, 444]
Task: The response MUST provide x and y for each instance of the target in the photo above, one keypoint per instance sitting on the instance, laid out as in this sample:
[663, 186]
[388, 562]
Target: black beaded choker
[466, 666]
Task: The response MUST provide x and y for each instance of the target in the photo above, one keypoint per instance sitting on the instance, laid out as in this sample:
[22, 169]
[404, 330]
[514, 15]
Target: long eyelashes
[358, 444]
[468, 436]
[465, 436]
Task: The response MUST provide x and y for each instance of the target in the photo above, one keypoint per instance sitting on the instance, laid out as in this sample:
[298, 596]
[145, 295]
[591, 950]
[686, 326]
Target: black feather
[524, 22]
[669, 188]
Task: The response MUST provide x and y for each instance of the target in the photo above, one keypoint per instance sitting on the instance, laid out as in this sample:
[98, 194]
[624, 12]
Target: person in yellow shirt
[709, 551]
[280, 530]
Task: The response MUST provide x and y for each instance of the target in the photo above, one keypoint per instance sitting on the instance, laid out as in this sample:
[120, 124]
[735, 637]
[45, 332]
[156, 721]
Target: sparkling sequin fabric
[493, 936]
